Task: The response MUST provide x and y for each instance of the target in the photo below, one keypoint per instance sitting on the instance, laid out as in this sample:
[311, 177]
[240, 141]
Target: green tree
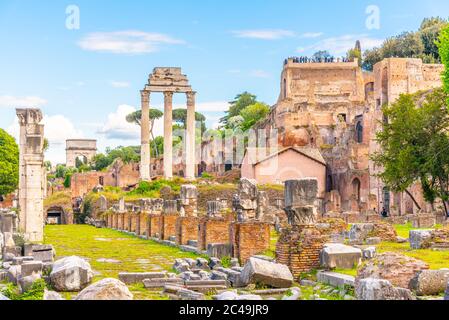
[9, 163]
[415, 145]
[430, 31]
[157, 146]
[419, 44]
[61, 171]
[240, 102]
[253, 114]
[136, 117]
[443, 46]
[180, 118]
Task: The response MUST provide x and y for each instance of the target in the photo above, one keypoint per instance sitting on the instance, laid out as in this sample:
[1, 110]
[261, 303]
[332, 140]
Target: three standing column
[145, 172]
[190, 136]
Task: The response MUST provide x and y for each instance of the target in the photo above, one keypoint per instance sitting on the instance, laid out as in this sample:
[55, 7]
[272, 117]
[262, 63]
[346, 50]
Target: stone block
[379, 289]
[335, 279]
[418, 238]
[161, 282]
[44, 253]
[205, 286]
[71, 274]
[430, 282]
[373, 241]
[359, 232]
[31, 267]
[335, 255]
[219, 250]
[268, 273]
[135, 277]
[106, 289]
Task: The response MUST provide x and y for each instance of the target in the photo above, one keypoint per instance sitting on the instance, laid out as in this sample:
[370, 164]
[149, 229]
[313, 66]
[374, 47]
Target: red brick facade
[249, 238]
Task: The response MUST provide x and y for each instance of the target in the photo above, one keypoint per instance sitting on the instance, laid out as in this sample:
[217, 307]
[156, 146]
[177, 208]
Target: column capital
[145, 95]
[191, 97]
[168, 94]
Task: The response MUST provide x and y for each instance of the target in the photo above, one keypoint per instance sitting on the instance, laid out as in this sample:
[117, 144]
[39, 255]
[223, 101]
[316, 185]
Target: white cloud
[116, 126]
[57, 129]
[311, 35]
[264, 34]
[21, 102]
[126, 42]
[259, 74]
[120, 84]
[214, 106]
[340, 45]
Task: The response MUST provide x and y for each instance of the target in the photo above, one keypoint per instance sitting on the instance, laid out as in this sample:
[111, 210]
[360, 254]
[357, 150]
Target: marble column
[145, 174]
[168, 135]
[190, 136]
[31, 193]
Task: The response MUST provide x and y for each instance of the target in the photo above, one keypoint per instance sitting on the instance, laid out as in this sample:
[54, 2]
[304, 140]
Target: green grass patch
[435, 259]
[110, 252]
[58, 198]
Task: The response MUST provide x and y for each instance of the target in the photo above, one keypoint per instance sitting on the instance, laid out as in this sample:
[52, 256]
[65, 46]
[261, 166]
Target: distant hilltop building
[335, 109]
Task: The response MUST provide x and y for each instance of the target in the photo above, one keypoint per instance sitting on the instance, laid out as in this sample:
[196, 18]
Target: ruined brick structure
[249, 238]
[335, 108]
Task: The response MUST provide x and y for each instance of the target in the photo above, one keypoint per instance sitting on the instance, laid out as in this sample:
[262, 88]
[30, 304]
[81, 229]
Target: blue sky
[86, 80]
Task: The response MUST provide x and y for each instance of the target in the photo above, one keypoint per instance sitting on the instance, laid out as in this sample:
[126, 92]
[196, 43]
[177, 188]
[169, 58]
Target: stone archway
[76, 148]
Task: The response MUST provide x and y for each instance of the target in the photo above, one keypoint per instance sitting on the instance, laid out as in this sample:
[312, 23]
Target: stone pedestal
[186, 230]
[213, 231]
[189, 200]
[127, 221]
[248, 239]
[299, 248]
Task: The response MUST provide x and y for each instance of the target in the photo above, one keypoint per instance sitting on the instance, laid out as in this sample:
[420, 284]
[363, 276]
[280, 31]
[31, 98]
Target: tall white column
[190, 136]
[168, 135]
[145, 173]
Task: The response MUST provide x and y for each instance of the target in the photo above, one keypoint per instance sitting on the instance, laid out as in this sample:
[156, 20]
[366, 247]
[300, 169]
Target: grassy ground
[110, 252]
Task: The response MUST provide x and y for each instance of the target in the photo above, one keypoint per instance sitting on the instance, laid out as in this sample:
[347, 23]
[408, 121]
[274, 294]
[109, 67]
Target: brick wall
[168, 226]
[249, 238]
[143, 221]
[213, 230]
[186, 229]
[153, 225]
[133, 222]
[299, 248]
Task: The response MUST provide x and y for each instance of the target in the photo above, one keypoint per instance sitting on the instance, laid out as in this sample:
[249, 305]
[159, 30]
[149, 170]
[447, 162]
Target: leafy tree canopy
[9, 163]
[420, 44]
[415, 145]
[443, 46]
[240, 102]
